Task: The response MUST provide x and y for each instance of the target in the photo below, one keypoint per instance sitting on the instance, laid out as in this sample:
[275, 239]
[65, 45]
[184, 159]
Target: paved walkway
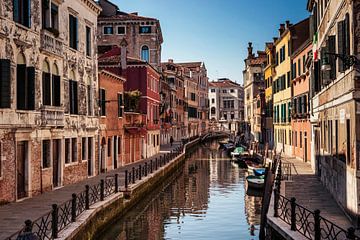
[13, 215]
[310, 193]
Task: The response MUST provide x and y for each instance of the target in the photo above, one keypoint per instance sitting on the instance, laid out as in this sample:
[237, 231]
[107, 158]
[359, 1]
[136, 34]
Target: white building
[226, 104]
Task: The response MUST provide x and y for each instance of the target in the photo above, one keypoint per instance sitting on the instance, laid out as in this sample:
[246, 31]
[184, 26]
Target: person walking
[171, 140]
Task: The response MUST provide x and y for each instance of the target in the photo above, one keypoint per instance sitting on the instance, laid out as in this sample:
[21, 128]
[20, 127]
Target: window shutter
[56, 90]
[324, 60]
[30, 88]
[76, 33]
[76, 103]
[27, 12]
[71, 36]
[46, 89]
[347, 37]
[332, 59]
[341, 43]
[5, 83]
[16, 10]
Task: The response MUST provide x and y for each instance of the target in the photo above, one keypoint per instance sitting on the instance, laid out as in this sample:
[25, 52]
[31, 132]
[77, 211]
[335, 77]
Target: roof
[223, 83]
[127, 16]
[191, 64]
[257, 61]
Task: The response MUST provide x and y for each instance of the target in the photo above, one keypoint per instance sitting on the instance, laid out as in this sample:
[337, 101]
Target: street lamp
[349, 60]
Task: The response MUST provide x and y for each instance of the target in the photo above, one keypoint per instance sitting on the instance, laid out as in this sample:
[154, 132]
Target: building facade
[253, 76]
[335, 102]
[226, 104]
[300, 112]
[143, 34]
[48, 108]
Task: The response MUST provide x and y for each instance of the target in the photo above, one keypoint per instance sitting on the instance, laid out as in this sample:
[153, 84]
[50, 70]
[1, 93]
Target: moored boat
[259, 171]
[255, 182]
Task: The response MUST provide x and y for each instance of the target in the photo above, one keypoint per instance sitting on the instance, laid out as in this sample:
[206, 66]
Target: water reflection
[205, 200]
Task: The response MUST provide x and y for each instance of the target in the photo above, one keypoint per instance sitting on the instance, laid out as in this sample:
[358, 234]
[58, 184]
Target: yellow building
[291, 36]
[269, 72]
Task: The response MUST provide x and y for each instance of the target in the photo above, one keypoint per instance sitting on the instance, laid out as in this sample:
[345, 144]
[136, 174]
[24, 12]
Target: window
[25, 85]
[67, 151]
[83, 148]
[299, 66]
[232, 115]
[213, 100]
[213, 111]
[225, 116]
[89, 100]
[343, 41]
[213, 90]
[300, 140]
[46, 153]
[145, 55]
[50, 85]
[22, 12]
[109, 147]
[232, 90]
[193, 97]
[224, 91]
[120, 105]
[88, 41]
[102, 99]
[5, 83]
[50, 16]
[73, 32]
[73, 93]
[121, 30]
[145, 29]
[108, 30]
[192, 112]
[74, 150]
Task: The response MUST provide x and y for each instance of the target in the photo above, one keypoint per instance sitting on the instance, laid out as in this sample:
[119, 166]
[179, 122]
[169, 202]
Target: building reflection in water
[205, 200]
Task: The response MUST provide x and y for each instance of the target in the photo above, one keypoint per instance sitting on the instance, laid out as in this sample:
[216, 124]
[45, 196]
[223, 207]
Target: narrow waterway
[206, 199]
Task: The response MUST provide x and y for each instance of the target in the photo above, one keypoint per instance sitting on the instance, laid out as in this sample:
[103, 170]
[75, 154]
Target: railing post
[317, 224]
[293, 214]
[276, 202]
[87, 197]
[102, 189]
[54, 221]
[351, 233]
[73, 207]
[151, 166]
[126, 179]
[146, 166]
[133, 175]
[28, 226]
[116, 183]
[140, 172]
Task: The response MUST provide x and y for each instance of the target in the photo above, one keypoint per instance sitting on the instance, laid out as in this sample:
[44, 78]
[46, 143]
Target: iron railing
[308, 223]
[50, 224]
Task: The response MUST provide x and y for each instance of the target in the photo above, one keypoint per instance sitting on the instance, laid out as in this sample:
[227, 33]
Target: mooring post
[317, 224]
[116, 183]
[54, 221]
[73, 207]
[102, 190]
[140, 172]
[293, 214]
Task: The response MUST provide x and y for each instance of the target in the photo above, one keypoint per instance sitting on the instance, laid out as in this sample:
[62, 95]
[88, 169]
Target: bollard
[87, 197]
[102, 190]
[140, 172]
[133, 175]
[73, 207]
[317, 225]
[116, 183]
[351, 233]
[151, 166]
[54, 221]
[293, 214]
[28, 226]
[126, 179]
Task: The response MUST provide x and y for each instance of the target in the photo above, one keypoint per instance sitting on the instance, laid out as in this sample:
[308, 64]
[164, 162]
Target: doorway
[103, 157]
[305, 147]
[21, 168]
[56, 163]
[90, 157]
[115, 153]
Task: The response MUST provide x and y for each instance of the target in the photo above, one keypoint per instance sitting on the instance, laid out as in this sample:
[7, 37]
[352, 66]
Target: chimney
[288, 24]
[171, 61]
[250, 50]
[281, 29]
[135, 13]
[275, 39]
[123, 54]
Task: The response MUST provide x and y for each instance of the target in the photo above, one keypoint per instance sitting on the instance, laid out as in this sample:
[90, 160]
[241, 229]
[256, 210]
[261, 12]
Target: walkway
[310, 193]
[13, 215]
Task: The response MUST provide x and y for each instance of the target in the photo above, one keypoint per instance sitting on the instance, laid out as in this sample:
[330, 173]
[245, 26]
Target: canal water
[206, 199]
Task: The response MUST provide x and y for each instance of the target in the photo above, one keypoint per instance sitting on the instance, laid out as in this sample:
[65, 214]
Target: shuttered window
[5, 83]
[73, 32]
[22, 12]
[46, 84]
[46, 153]
[88, 41]
[74, 157]
[56, 91]
[89, 100]
[102, 98]
[120, 105]
[25, 87]
[332, 59]
[73, 93]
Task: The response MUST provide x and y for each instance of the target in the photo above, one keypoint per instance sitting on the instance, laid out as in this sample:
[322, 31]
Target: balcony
[50, 44]
[52, 117]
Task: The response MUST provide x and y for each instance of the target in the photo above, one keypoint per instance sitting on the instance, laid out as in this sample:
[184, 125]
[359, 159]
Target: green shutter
[5, 83]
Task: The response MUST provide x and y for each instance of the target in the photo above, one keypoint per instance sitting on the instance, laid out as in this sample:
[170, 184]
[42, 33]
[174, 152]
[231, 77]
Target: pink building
[300, 120]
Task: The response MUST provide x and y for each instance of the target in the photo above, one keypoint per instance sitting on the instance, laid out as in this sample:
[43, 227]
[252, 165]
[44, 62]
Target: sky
[216, 32]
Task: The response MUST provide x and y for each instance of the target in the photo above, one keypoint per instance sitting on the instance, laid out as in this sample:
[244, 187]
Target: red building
[143, 77]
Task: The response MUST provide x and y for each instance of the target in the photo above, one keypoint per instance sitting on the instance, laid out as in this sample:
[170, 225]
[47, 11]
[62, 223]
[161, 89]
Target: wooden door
[21, 161]
[56, 163]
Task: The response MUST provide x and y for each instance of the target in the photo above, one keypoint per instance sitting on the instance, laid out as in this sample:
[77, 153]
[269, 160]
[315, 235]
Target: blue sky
[216, 31]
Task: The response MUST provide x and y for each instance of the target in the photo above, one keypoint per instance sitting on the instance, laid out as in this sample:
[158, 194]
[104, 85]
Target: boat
[253, 166]
[254, 192]
[259, 172]
[237, 152]
[229, 146]
[255, 182]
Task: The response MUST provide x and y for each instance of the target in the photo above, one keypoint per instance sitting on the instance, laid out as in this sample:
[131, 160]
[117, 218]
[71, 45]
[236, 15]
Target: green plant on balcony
[132, 101]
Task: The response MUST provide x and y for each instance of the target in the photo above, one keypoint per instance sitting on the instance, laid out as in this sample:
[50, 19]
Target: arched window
[25, 84]
[56, 86]
[145, 54]
[73, 93]
[46, 84]
[213, 111]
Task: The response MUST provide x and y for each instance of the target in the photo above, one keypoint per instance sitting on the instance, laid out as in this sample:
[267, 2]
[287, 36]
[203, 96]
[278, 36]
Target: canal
[205, 199]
